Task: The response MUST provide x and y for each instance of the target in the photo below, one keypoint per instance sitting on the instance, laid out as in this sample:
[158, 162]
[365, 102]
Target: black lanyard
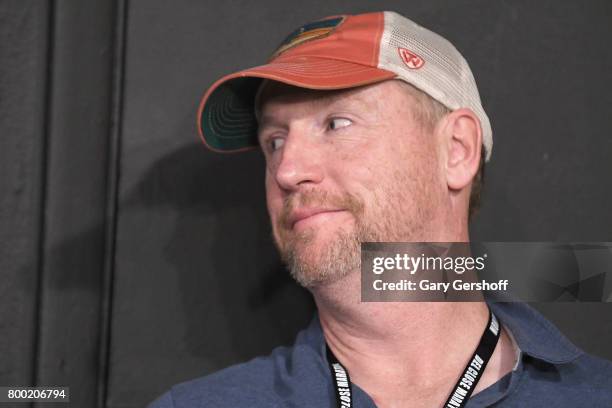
[461, 392]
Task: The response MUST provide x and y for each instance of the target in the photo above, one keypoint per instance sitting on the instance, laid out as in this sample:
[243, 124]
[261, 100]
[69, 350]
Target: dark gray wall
[56, 110]
[132, 259]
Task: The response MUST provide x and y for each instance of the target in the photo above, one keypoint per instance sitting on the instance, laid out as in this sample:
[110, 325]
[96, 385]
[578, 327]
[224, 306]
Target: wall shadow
[244, 303]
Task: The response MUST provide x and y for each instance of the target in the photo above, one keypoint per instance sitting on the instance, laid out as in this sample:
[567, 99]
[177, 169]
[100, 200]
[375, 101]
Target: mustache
[319, 198]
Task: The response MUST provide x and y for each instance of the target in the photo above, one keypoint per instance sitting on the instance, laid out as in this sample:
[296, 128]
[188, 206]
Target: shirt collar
[534, 334]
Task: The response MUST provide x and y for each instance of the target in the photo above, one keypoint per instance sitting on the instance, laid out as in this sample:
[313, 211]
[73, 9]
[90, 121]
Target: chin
[324, 258]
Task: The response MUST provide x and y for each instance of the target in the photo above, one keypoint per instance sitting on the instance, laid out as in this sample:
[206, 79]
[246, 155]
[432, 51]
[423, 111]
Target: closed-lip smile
[303, 213]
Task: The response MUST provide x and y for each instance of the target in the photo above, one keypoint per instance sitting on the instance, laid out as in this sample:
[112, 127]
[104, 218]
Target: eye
[276, 143]
[338, 123]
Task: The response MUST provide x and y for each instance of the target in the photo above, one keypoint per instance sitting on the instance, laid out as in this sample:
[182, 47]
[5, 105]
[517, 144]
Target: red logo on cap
[411, 60]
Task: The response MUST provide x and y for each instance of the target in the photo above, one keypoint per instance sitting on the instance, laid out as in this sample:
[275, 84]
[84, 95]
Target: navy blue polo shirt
[551, 372]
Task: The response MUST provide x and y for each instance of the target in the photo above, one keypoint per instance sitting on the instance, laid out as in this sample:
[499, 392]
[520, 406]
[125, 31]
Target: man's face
[345, 167]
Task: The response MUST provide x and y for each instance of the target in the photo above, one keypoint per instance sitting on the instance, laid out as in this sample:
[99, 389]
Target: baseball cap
[340, 52]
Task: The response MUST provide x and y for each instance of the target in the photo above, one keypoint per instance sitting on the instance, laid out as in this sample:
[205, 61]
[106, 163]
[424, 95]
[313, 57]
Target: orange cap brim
[226, 116]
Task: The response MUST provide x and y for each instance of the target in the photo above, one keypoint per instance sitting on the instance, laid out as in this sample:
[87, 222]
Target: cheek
[364, 168]
[274, 199]
[363, 178]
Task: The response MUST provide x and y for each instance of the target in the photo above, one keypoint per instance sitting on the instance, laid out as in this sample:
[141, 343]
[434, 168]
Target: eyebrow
[267, 121]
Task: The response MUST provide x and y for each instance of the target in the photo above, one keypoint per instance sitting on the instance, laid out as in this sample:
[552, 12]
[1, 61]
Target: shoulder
[246, 384]
[591, 372]
[585, 381]
[288, 373]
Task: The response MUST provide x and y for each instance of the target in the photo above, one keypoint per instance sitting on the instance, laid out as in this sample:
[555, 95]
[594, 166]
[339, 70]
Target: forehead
[274, 94]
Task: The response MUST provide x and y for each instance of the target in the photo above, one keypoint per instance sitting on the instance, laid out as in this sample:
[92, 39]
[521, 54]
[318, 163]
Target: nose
[300, 163]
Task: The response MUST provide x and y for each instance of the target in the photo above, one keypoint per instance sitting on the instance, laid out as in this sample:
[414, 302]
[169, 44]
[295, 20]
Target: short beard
[395, 218]
[337, 260]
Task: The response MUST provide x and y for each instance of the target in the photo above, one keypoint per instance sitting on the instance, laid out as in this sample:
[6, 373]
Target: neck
[405, 353]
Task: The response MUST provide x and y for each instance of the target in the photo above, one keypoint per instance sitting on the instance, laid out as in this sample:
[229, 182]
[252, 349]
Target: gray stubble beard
[399, 217]
[337, 260]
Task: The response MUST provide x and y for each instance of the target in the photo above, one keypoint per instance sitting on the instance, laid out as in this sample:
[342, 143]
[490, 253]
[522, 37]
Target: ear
[463, 141]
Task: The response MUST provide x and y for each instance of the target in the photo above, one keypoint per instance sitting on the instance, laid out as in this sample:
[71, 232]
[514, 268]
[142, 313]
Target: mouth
[301, 218]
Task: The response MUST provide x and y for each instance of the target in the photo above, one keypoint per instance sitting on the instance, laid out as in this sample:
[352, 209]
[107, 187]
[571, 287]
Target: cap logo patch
[411, 60]
[308, 32]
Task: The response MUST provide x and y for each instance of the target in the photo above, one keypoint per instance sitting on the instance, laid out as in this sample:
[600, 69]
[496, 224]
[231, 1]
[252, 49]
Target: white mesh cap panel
[445, 74]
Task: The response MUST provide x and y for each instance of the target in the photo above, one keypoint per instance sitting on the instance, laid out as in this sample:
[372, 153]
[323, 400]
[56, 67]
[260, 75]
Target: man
[372, 129]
